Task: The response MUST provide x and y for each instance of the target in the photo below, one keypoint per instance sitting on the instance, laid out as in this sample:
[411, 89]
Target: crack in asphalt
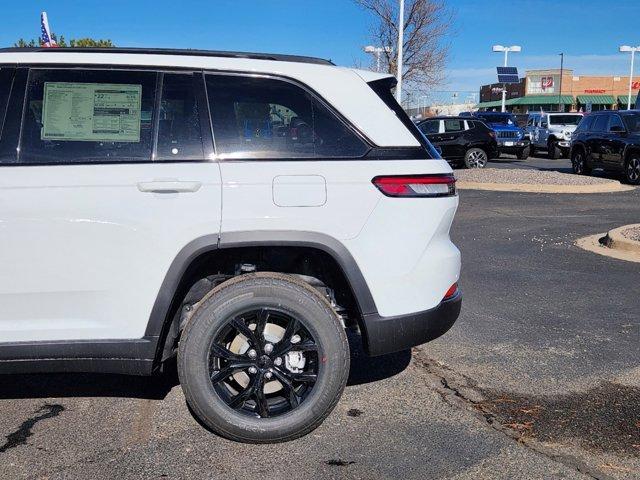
[460, 391]
[24, 431]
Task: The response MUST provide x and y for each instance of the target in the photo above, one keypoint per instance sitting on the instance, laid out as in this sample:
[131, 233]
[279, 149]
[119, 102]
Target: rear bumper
[393, 334]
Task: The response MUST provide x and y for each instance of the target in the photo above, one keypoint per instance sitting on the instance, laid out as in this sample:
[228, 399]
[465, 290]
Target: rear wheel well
[213, 267]
[630, 152]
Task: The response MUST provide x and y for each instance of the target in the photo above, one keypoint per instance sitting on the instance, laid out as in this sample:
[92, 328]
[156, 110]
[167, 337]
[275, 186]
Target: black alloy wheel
[255, 372]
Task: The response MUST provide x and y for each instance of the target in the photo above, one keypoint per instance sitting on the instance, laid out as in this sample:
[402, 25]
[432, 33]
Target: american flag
[45, 38]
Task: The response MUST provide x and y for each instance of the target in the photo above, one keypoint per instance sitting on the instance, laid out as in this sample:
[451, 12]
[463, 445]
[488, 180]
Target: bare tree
[426, 25]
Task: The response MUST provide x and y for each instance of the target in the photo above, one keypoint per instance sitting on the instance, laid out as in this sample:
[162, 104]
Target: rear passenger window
[87, 116]
[256, 117]
[6, 76]
[453, 126]
[179, 135]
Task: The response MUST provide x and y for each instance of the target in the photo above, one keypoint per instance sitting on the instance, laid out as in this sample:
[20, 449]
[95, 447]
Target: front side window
[564, 119]
[600, 123]
[87, 116]
[430, 127]
[585, 124]
[6, 77]
[256, 117]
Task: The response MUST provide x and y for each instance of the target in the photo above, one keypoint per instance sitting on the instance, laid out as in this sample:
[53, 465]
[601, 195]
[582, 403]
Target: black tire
[553, 151]
[199, 364]
[475, 158]
[524, 153]
[532, 150]
[632, 169]
[579, 162]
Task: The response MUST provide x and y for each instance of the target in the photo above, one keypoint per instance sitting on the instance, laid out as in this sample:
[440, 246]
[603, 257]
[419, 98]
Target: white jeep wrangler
[236, 210]
[552, 131]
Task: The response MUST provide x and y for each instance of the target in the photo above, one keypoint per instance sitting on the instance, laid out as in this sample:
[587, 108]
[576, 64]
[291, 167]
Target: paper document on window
[91, 112]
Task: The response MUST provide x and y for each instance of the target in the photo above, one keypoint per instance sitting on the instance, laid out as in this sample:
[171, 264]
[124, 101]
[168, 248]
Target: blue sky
[588, 31]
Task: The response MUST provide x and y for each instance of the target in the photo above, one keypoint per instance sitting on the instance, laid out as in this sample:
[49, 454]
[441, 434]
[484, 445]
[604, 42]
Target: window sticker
[91, 112]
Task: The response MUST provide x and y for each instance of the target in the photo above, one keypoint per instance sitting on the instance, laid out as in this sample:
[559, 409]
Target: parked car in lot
[511, 138]
[552, 132]
[463, 141]
[609, 140]
[130, 237]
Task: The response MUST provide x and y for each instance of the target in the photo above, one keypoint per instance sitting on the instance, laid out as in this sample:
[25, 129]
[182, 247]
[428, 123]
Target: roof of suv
[174, 51]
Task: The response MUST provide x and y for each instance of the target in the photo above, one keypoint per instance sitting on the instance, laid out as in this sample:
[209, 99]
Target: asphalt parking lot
[539, 378]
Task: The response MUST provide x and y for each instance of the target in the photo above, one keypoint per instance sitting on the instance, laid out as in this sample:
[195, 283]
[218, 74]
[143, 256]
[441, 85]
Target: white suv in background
[236, 210]
[552, 132]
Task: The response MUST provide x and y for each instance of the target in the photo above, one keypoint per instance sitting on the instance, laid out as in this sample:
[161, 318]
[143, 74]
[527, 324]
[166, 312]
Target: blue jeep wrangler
[511, 138]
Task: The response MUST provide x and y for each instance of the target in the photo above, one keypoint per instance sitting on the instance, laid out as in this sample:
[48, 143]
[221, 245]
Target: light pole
[560, 109]
[377, 51]
[633, 50]
[400, 45]
[506, 50]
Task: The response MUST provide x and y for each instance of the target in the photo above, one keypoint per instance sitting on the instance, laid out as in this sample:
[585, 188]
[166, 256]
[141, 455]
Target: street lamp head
[498, 48]
[515, 48]
[625, 48]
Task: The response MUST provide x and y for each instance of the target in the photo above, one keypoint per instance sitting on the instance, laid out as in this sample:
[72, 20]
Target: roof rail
[174, 51]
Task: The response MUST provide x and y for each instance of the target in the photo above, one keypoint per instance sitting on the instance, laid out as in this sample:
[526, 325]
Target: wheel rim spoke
[224, 353]
[261, 323]
[285, 345]
[218, 375]
[286, 383]
[262, 405]
[243, 328]
[238, 401]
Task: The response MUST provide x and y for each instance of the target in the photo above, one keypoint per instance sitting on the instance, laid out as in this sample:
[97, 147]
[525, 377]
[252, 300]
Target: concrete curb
[544, 188]
[593, 243]
[614, 239]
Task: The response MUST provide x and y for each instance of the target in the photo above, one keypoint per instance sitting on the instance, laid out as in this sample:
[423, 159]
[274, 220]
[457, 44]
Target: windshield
[505, 119]
[632, 121]
[565, 119]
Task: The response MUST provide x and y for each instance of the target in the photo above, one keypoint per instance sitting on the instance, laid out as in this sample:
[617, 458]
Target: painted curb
[617, 241]
[544, 188]
[593, 243]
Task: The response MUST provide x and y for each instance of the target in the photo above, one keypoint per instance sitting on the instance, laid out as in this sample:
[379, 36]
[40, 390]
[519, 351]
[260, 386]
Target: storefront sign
[546, 83]
[595, 90]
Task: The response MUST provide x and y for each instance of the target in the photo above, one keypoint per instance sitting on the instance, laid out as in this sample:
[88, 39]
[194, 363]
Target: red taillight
[441, 185]
[451, 292]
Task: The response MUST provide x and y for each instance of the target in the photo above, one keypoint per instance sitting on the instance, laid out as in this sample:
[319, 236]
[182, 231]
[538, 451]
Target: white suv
[236, 210]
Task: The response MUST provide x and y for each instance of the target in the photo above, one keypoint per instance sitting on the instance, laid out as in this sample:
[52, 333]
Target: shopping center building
[546, 90]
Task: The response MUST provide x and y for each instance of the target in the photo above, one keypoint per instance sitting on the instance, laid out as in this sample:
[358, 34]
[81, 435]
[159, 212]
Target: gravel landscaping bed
[632, 233]
[530, 177]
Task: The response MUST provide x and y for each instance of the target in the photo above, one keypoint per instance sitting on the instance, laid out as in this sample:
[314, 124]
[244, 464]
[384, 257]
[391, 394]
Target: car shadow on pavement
[64, 385]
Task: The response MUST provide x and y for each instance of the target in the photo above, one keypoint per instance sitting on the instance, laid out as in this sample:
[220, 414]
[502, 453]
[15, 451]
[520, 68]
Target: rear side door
[596, 137]
[112, 177]
[613, 143]
[453, 142]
